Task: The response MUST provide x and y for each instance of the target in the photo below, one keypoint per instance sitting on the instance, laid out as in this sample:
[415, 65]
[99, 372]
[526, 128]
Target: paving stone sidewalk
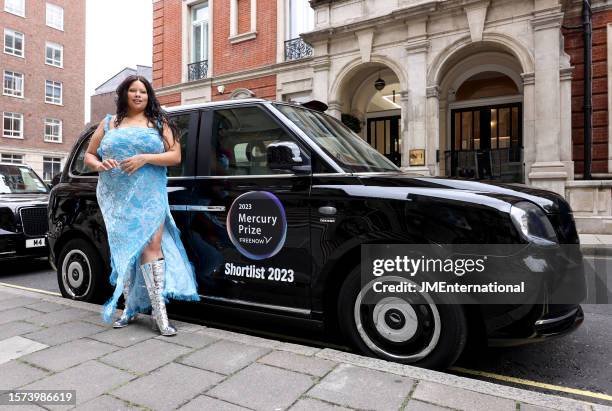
[50, 343]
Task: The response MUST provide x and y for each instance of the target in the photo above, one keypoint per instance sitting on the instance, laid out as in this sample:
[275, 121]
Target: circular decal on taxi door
[257, 225]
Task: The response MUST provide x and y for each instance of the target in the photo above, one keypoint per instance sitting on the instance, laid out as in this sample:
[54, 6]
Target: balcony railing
[197, 70]
[296, 49]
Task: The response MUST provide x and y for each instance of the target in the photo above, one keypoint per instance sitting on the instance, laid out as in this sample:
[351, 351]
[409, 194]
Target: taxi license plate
[35, 242]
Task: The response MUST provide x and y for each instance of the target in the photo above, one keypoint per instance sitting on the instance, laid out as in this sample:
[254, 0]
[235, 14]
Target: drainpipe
[588, 90]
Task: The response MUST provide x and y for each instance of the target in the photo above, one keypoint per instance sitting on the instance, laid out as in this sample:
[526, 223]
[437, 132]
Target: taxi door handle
[206, 208]
[177, 207]
[327, 210]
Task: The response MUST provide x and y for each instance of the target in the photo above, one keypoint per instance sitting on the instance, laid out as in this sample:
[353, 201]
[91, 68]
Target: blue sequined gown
[133, 208]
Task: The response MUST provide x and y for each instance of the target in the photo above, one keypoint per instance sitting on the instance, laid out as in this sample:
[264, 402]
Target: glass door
[486, 143]
[383, 135]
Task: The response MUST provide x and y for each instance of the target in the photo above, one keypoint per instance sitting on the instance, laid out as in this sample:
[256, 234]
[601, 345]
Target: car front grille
[34, 221]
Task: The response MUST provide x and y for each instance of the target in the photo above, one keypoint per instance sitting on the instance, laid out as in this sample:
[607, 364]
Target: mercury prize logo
[257, 225]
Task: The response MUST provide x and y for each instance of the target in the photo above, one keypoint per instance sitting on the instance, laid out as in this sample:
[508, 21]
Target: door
[249, 224]
[383, 135]
[181, 177]
[486, 143]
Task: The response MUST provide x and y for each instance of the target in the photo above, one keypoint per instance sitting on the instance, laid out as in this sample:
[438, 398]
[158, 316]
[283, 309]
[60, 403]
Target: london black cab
[274, 202]
[23, 213]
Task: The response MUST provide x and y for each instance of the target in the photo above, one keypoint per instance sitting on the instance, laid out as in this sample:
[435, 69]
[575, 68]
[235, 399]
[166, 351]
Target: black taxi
[23, 213]
[275, 201]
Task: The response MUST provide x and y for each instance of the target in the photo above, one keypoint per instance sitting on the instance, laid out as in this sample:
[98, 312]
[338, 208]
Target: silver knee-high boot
[154, 276]
[125, 319]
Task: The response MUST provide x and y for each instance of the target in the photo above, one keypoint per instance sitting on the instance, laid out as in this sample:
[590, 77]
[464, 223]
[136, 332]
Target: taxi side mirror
[286, 155]
[55, 180]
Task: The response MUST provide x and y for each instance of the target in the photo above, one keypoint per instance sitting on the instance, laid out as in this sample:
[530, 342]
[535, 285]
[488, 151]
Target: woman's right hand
[107, 164]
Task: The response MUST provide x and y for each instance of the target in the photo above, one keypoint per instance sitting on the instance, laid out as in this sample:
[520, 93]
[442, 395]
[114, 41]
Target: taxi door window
[78, 167]
[182, 125]
[240, 138]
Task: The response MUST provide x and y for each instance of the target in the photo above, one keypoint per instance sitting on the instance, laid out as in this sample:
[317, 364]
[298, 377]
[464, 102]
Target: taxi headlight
[532, 223]
[7, 219]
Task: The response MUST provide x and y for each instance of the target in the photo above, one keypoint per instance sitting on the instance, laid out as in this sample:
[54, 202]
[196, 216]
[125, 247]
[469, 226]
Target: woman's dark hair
[153, 111]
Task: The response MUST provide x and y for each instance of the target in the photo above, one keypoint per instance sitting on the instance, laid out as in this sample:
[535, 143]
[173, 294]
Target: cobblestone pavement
[50, 343]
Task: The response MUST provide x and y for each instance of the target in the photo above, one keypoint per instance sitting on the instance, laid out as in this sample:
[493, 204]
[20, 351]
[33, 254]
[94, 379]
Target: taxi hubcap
[76, 273]
[405, 328]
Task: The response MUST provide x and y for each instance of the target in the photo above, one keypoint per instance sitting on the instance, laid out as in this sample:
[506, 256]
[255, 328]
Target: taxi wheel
[418, 332]
[80, 272]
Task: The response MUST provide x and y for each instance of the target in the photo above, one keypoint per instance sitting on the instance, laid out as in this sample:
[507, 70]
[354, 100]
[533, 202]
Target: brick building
[489, 89]
[43, 69]
[214, 50]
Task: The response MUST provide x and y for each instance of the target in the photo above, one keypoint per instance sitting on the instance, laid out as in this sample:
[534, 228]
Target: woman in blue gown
[131, 151]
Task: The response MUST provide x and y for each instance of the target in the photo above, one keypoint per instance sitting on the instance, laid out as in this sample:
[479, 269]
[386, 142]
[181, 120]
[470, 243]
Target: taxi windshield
[15, 179]
[349, 150]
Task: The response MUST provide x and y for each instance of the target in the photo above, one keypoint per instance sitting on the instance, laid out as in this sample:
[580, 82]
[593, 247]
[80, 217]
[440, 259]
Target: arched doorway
[369, 95]
[482, 128]
[486, 129]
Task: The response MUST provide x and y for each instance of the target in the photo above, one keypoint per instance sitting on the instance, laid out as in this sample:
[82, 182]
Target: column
[529, 145]
[335, 109]
[414, 106]
[320, 66]
[433, 130]
[548, 171]
[565, 148]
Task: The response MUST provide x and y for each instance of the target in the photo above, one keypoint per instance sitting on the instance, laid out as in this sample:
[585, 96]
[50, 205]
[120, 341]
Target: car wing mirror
[286, 155]
[55, 180]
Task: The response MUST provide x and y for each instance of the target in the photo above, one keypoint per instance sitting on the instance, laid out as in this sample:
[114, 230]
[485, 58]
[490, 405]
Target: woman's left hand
[130, 165]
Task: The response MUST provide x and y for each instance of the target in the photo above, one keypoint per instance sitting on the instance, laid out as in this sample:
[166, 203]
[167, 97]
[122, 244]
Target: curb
[482, 387]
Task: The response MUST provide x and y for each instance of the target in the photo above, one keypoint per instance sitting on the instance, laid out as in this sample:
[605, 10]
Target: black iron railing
[197, 70]
[296, 49]
[504, 164]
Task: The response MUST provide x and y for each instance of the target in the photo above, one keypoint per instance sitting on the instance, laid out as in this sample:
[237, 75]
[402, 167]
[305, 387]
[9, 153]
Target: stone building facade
[43, 68]
[490, 89]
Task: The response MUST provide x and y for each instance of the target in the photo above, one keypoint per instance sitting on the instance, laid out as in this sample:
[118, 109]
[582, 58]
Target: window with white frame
[12, 84]
[53, 130]
[53, 92]
[54, 54]
[12, 125]
[51, 166]
[301, 18]
[15, 7]
[199, 32]
[55, 16]
[11, 158]
[13, 42]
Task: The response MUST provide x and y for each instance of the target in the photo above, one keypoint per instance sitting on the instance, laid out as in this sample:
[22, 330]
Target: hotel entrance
[486, 143]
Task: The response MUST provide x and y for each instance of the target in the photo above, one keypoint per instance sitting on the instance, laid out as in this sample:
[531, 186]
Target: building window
[198, 67]
[12, 125]
[53, 92]
[54, 54]
[13, 84]
[15, 7]
[11, 158]
[300, 20]
[51, 167]
[243, 20]
[55, 16]
[53, 130]
[13, 42]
